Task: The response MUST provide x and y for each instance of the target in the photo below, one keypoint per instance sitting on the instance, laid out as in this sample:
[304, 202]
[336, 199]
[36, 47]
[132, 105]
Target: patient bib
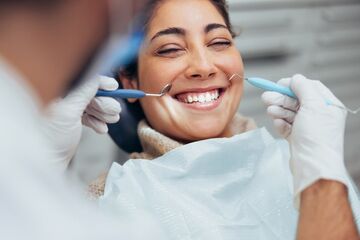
[225, 188]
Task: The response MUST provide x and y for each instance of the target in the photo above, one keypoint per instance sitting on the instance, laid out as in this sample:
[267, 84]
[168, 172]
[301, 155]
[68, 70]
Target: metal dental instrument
[271, 86]
[132, 93]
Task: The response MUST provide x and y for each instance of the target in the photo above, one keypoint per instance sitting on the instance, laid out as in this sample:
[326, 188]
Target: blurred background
[278, 38]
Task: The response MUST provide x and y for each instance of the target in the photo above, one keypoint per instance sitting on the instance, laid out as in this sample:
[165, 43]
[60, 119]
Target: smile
[201, 99]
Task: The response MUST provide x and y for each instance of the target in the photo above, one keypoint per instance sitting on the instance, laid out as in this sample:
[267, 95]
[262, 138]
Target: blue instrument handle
[121, 93]
[271, 86]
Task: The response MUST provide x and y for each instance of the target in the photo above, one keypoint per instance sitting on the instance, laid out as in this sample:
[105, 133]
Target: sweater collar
[156, 144]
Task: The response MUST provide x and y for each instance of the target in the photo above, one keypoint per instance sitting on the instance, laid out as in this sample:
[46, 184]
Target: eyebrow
[182, 32]
[169, 31]
[213, 26]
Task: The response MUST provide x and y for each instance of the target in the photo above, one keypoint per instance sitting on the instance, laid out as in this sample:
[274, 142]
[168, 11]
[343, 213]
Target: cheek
[159, 115]
[149, 79]
[231, 63]
[154, 74]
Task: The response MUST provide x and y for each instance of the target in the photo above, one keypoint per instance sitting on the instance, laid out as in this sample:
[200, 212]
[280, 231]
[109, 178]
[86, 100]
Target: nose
[201, 66]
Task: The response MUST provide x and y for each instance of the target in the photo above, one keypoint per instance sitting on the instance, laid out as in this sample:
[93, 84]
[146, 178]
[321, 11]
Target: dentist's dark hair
[124, 133]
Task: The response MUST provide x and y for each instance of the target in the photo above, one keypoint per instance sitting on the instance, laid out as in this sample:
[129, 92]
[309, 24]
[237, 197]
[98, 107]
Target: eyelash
[175, 50]
[222, 43]
[167, 51]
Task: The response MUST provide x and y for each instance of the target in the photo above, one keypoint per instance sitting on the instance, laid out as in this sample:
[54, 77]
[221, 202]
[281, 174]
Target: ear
[128, 83]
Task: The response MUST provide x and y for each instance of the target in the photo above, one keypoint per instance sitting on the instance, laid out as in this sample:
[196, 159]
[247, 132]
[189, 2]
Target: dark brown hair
[131, 70]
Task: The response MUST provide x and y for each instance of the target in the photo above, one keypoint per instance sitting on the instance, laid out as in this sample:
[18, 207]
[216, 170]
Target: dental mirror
[132, 93]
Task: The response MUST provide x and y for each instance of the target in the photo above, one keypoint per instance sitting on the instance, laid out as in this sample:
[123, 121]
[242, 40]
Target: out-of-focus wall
[318, 38]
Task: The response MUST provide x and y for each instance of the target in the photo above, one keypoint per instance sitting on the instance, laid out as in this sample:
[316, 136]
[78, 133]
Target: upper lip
[198, 90]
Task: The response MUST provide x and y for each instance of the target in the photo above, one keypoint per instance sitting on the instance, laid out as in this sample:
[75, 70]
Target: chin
[205, 130]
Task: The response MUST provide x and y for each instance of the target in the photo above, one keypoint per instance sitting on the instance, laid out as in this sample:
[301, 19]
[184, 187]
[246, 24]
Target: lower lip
[206, 106]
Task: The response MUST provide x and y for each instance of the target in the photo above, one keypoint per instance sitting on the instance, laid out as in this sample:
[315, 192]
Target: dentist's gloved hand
[315, 131]
[80, 107]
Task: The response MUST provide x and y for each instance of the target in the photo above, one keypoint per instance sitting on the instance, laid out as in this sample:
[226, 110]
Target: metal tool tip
[166, 89]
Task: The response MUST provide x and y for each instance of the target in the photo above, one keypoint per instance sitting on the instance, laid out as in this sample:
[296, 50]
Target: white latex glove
[67, 115]
[315, 131]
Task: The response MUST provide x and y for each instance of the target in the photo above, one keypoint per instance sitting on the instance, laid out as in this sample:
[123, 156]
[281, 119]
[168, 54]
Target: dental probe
[132, 93]
[271, 86]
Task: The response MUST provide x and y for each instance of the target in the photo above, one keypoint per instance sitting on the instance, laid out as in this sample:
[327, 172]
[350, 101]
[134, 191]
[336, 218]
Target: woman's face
[189, 44]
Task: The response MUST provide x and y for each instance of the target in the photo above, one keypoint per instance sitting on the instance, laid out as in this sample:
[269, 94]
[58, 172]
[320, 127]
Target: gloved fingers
[106, 118]
[97, 125]
[282, 127]
[83, 93]
[105, 105]
[286, 82]
[105, 109]
[78, 99]
[327, 94]
[277, 112]
[305, 89]
[107, 83]
[275, 98]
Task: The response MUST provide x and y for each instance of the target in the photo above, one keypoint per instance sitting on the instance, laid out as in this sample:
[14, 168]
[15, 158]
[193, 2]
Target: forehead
[192, 15]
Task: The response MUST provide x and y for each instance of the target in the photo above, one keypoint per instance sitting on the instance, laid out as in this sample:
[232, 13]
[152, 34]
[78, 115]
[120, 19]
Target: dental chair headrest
[124, 132]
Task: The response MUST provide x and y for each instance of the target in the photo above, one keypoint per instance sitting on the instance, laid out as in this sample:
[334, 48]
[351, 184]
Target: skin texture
[325, 213]
[201, 60]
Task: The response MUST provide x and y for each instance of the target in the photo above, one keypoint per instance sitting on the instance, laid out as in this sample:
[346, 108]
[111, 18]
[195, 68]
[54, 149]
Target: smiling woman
[233, 186]
[194, 50]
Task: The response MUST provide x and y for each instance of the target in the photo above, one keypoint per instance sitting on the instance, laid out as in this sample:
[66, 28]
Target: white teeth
[208, 97]
[189, 99]
[201, 98]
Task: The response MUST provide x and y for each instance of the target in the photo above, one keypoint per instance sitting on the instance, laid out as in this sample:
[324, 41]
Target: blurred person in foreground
[47, 49]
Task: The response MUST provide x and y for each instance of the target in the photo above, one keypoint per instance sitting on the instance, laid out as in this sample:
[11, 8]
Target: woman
[190, 43]
[194, 49]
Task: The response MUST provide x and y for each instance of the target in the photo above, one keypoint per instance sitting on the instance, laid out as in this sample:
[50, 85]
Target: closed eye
[219, 45]
[166, 51]
[170, 52]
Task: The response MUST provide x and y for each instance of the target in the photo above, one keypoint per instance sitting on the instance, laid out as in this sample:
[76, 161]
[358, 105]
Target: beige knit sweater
[156, 144]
